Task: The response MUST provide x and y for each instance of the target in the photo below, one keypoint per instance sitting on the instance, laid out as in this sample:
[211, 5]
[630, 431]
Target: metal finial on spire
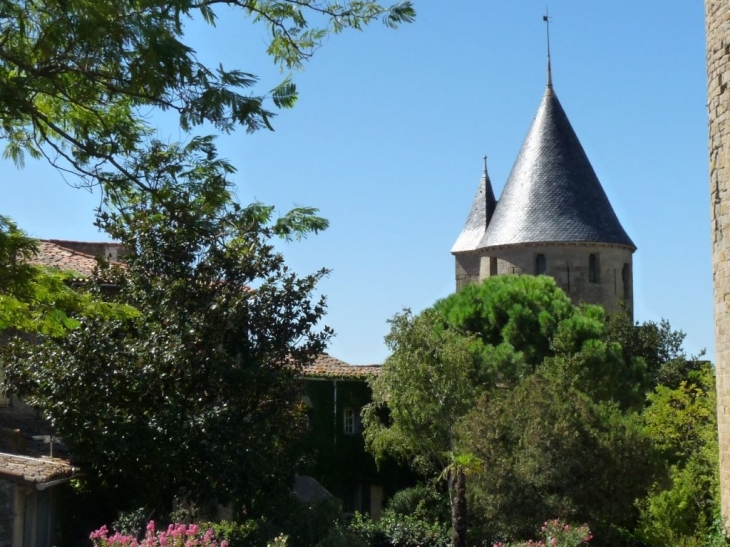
[485, 164]
[546, 18]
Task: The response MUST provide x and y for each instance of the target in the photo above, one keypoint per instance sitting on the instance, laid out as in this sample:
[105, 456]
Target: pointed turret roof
[552, 194]
[481, 213]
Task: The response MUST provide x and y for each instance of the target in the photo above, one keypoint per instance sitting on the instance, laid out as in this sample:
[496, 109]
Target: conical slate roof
[552, 194]
[481, 213]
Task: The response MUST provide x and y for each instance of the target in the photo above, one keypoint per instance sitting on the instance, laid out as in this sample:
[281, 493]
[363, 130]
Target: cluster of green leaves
[430, 360]
[195, 395]
[41, 301]
[551, 449]
[556, 533]
[682, 507]
[74, 74]
[318, 522]
[414, 516]
[396, 530]
[545, 399]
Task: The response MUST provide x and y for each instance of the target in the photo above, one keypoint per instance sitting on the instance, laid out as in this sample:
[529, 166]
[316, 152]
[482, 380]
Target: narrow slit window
[593, 268]
[540, 264]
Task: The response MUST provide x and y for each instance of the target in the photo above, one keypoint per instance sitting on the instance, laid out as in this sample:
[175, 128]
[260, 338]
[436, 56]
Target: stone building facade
[717, 18]
[553, 218]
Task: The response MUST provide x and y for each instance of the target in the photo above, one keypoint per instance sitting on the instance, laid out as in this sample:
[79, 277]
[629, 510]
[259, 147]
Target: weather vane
[546, 18]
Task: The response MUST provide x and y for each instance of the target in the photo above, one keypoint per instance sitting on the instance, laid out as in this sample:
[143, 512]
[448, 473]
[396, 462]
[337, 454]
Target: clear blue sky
[388, 135]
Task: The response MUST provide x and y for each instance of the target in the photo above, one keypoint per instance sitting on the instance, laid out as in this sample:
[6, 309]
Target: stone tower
[717, 19]
[553, 218]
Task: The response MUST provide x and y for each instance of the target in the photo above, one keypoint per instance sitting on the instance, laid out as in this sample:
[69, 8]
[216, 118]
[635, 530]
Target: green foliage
[510, 375]
[36, 300]
[303, 525]
[74, 76]
[16, 248]
[555, 404]
[244, 534]
[429, 382]
[550, 449]
[425, 502]
[197, 394]
[683, 505]
[515, 317]
[309, 523]
[556, 532]
[395, 530]
[657, 345]
[47, 304]
[131, 523]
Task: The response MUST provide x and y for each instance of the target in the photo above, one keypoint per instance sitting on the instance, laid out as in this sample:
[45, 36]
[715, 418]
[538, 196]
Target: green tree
[516, 318]
[483, 351]
[550, 450]
[430, 380]
[656, 344]
[40, 301]
[196, 395]
[683, 506]
[76, 74]
[442, 360]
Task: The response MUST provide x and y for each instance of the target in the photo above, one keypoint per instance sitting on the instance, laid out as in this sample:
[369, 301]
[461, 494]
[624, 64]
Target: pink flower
[100, 533]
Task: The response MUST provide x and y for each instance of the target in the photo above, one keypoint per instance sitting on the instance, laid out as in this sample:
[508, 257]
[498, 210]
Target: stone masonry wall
[717, 19]
[467, 269]
[568, 265]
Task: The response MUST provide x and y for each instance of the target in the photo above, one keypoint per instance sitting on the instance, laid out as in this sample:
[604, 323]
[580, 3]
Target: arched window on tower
[540, 264]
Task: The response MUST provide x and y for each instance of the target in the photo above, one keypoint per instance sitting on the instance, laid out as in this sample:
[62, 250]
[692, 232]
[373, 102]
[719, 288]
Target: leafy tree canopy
[429, 382]
[196, 394]
[683, 506]
[512, 315]
[511, 374]
[36, 300]
[551, 450]
[74, 74]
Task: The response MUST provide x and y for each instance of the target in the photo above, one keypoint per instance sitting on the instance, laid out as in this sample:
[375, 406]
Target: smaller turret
[464, 250]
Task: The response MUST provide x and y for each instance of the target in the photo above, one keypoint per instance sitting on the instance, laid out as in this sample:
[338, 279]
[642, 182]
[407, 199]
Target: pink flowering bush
[556, 533]
[176, 535]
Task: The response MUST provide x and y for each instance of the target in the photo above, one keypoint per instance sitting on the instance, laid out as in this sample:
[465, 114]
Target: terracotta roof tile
[54, 255]
[34, 470]
[327, 366]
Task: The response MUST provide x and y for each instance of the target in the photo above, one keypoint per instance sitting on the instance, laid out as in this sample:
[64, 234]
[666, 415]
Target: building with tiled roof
[326, 366]
[553, 218]
[334, 393]
[34, 471]
[33, 462]
[33, 465]
[79, 257]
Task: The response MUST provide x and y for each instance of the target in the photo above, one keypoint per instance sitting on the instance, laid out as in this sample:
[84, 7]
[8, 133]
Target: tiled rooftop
[327, 366]
[52, 254]
[34, 470]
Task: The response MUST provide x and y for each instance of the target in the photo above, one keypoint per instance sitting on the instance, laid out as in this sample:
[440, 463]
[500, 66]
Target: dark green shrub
[421, 500]
[394, 530]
